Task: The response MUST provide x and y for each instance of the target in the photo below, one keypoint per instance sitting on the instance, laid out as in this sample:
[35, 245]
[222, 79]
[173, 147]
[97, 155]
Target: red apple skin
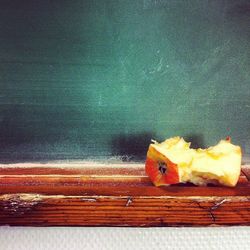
[162, 179]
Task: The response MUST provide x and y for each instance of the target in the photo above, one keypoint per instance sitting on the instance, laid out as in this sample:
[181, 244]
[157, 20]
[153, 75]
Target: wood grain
[118, 196]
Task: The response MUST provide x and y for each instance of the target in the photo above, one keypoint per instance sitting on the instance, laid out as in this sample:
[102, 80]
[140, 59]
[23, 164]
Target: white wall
[75, 238]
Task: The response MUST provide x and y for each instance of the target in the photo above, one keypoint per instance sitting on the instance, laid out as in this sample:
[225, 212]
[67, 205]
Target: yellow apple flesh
[173, 161]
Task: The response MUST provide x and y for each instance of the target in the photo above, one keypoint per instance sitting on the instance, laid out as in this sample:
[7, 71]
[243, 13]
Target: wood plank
[121, 197]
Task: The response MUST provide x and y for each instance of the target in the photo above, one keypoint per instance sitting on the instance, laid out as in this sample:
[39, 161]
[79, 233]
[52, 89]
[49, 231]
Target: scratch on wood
[129, 201]
[214, 207]
[205, 208]
[19, 203]
[212, 215]
[88, 199]
[217, 205]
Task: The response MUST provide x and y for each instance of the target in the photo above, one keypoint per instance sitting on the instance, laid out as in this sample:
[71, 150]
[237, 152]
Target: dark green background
[95, 79]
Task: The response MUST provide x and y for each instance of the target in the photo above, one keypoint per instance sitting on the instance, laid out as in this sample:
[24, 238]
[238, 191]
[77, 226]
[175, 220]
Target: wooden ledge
[117, 195]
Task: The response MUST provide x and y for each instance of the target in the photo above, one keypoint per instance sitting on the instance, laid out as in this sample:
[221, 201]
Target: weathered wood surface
[118, 196]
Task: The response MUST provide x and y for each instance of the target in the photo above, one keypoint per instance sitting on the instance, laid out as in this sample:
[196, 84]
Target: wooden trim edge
[123, 197]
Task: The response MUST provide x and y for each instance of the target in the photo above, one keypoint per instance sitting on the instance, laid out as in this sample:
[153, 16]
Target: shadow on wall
[135, 147]
[12, 129]
[239, 9]
[197, 140]
[132, 147]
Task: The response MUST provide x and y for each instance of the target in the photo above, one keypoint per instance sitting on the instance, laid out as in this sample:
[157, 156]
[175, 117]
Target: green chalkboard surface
[95, 79]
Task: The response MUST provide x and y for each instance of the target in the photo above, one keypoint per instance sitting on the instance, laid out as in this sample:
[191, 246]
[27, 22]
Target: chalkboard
[88, 79]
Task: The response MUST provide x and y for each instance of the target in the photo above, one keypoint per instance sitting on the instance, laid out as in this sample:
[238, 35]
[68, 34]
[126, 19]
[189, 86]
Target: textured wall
[124, 238]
